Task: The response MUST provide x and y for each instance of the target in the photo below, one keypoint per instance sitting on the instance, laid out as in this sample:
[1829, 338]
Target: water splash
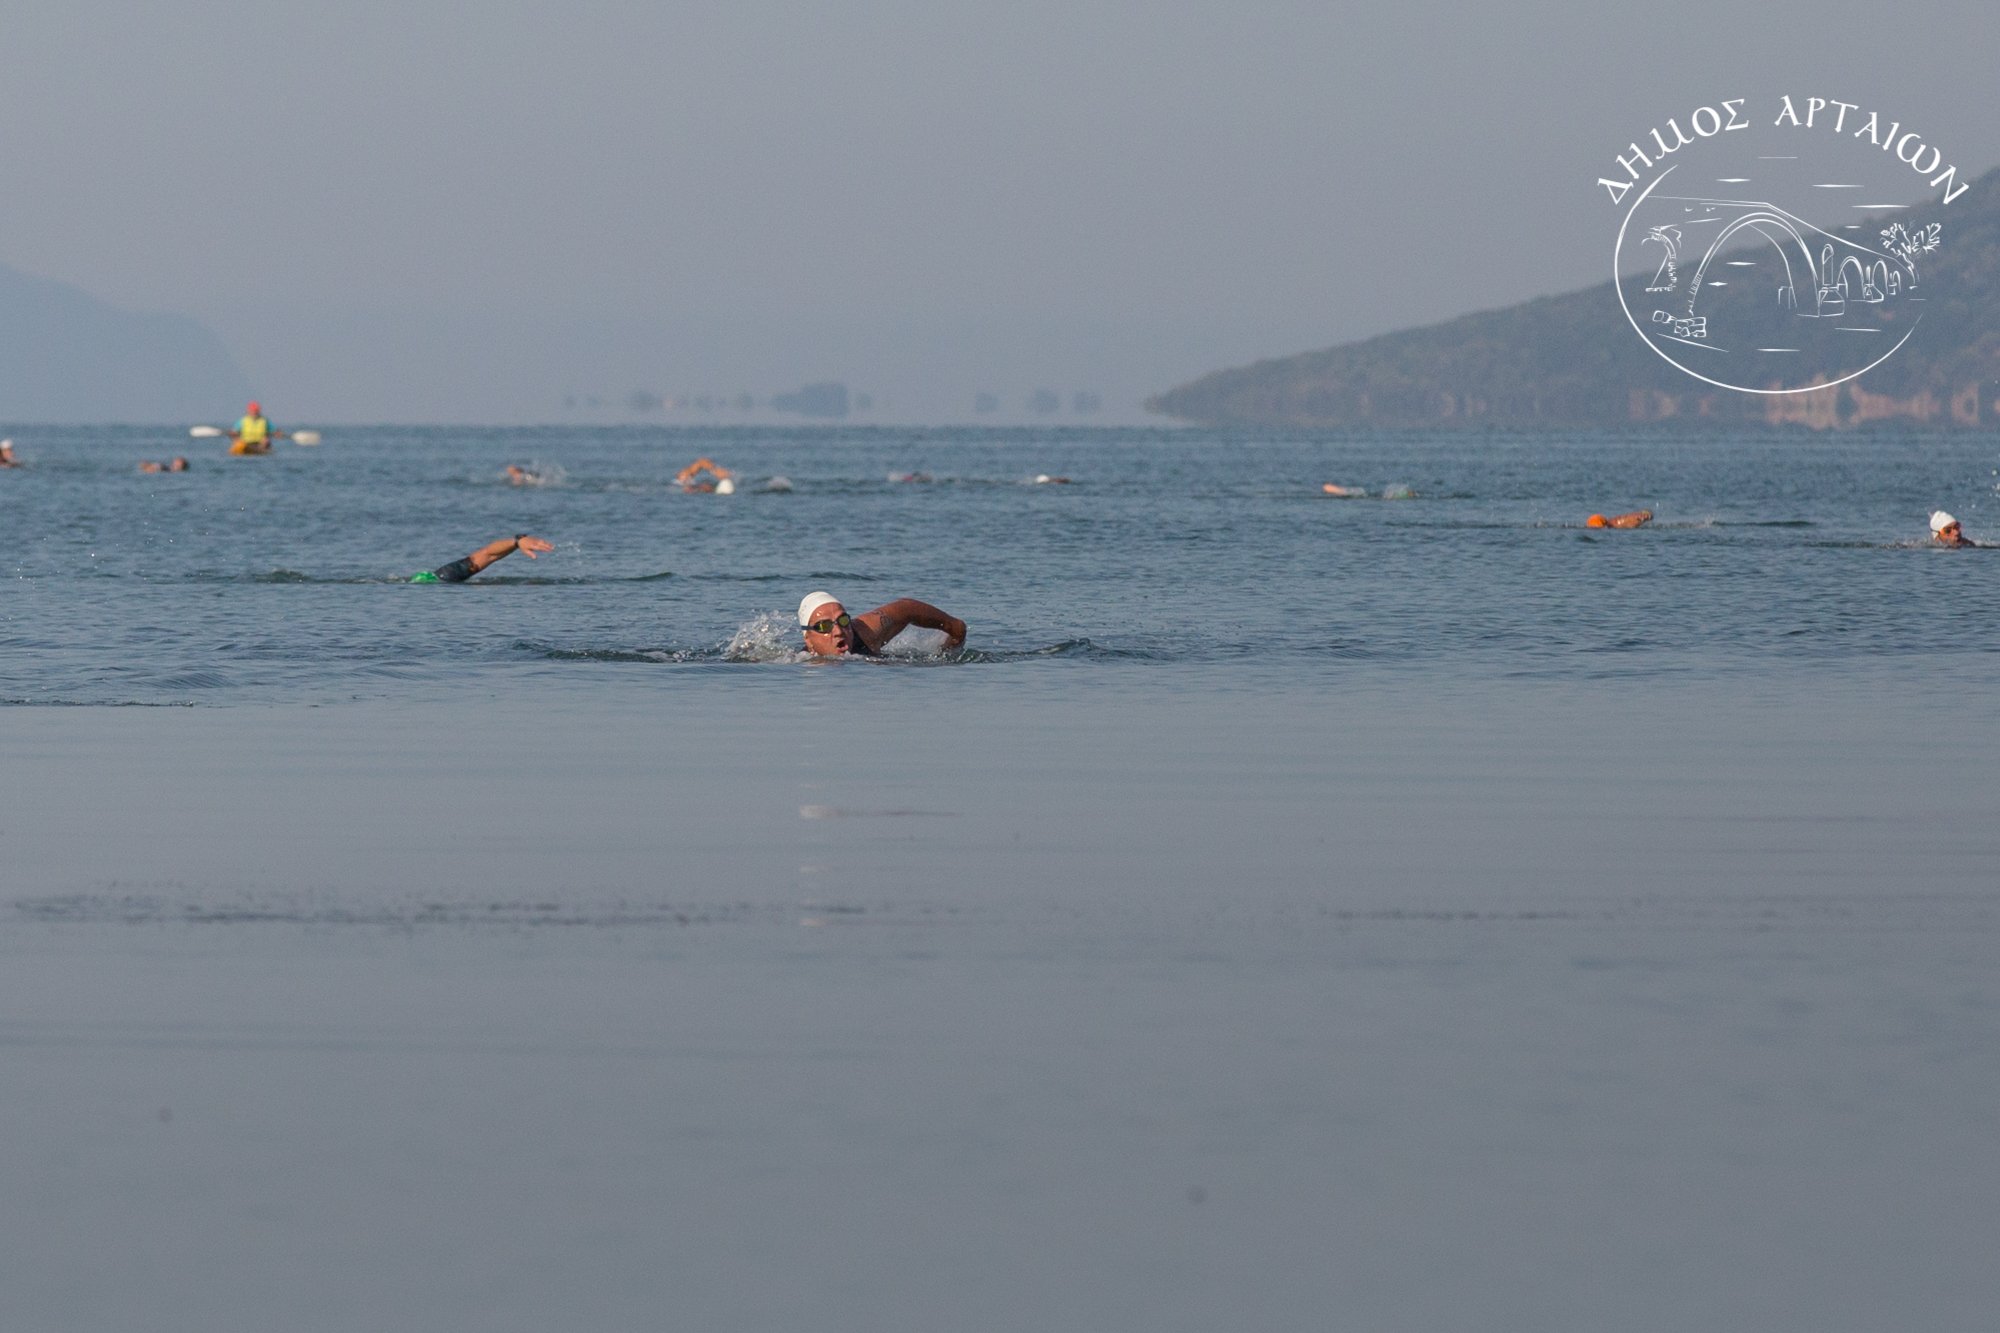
[768, 637]
[536, 473]
[916, 642]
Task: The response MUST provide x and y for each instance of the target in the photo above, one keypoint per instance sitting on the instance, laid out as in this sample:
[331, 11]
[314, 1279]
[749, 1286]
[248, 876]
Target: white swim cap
[725, 487]
[813, 602]
[1941, 520]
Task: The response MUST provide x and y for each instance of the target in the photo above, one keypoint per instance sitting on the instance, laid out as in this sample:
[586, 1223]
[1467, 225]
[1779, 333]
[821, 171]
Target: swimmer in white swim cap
[691, 477]
[1947, 532]
[831, 632]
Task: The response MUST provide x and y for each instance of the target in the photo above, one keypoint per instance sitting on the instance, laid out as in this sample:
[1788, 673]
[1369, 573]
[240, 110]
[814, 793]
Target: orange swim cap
[1597, 521]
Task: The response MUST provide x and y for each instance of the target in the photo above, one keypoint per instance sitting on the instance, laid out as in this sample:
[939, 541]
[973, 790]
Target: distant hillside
[66, 356]
[1572, 362]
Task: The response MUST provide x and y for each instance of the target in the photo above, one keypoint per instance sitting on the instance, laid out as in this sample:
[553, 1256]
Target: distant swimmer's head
[1597, 521]
[1946, 529]
[829, 629]
[725, 487]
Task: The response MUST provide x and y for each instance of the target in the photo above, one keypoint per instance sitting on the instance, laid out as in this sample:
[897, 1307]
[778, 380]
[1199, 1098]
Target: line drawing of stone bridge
[1818, 285]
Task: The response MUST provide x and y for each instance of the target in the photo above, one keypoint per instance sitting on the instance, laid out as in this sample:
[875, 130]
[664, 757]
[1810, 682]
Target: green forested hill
[1571, 361]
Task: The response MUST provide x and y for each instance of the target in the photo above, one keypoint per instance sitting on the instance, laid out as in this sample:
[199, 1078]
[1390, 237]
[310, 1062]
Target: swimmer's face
[1951, 534]
[836, 638]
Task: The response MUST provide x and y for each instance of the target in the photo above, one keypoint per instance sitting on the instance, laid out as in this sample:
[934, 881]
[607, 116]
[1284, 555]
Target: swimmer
[1044, 479]
[1637, 518]
[7, 458]
[1344, 492]
[831, 632]
[912, 477]
[175, 464]
[520, 476]
[458, 571]
[1946, 531]
[689, 477]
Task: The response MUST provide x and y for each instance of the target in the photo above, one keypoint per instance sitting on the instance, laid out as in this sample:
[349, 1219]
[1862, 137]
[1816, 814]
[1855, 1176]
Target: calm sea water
[1421, 913]
[276, 579]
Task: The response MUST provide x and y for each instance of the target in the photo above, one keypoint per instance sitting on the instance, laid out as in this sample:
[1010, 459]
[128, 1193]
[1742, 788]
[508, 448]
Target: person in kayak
[253, 434]
[831, 632]
[458, 571]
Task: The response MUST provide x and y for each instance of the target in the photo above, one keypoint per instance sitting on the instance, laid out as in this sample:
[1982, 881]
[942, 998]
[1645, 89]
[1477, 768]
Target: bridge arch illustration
[1814, 285]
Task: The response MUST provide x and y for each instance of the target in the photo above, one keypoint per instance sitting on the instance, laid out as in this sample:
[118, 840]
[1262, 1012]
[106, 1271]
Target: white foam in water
[778, 484]
[543, 474]
[916, 641]
[770, 637]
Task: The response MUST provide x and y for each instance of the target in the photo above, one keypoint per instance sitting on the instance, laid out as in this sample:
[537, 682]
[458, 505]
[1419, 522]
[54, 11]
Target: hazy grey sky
[424, 211]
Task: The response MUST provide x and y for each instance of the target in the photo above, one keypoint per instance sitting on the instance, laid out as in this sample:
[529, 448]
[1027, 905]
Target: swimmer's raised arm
[886, 622]
[506, 546]
[699, 466]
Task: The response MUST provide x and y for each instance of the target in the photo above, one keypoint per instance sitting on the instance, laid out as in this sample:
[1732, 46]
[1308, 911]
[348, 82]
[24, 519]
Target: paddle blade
[305, 437]
[205, 432]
